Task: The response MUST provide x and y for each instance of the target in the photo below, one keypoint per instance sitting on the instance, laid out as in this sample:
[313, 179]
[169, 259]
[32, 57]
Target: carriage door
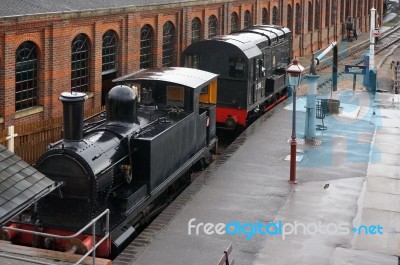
[254, 72]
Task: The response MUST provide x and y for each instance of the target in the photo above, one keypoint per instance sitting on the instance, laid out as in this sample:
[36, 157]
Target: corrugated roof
[20, 185]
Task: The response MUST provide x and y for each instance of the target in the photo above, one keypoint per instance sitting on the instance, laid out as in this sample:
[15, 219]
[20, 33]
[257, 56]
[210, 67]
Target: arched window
[265, 17]
[348, 9]
[299, 19]
[80, 64]
[327, 13]
[356, 6]
[317, 14]
[196, 29]
[341, 11]
[146, 47]
[168, 44]
[275, 16]
[234, 21]
[310, 16]
[290, 17]
[212, 26]
[26, 76]
[360, 8]
[334, 12]
[110, 52]
[247, 19]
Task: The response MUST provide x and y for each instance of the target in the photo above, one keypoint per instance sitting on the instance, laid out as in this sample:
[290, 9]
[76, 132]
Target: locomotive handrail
[91, 223]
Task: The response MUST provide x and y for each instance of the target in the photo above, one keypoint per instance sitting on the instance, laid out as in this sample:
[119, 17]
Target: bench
[320, 112]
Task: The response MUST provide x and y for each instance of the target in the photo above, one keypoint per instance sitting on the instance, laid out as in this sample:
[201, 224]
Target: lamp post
[294, 73]
[372, 40]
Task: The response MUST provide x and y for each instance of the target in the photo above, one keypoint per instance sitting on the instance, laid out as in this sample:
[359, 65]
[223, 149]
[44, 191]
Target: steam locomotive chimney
[73, 115]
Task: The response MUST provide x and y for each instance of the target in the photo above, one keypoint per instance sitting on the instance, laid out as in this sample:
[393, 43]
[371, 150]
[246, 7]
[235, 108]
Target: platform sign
[355, 69]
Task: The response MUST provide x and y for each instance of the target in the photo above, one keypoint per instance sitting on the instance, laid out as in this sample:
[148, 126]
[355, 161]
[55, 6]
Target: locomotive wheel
[76, 246]
[200, 165]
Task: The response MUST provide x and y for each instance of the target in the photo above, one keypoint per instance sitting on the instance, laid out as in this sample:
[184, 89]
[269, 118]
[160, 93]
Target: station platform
[348, 178]
[347, 193]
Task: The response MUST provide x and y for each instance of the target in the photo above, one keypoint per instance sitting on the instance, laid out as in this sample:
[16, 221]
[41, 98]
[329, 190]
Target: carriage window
[256, 70]
[137, 89]
[193, 61]
[146, 96]
[261, 69]
[268, 62]
[236, 67]
[175, 96]
[284, 57]
[204, 90]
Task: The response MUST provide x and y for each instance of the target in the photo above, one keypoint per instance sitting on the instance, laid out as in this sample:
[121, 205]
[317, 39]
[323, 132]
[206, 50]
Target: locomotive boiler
[251, 64]
[157, 125]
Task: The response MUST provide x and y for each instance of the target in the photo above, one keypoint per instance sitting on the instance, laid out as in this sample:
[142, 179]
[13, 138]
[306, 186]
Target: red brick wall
[54, 34]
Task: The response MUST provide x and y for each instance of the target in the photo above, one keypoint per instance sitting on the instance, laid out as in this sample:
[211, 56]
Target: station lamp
[294, 76]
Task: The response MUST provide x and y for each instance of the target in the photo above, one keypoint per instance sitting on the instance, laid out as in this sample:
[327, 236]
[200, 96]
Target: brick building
[48, 47]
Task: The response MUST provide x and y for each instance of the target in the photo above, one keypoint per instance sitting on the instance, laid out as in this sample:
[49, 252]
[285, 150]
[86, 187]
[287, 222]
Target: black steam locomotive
[158, 124]
[251, 64]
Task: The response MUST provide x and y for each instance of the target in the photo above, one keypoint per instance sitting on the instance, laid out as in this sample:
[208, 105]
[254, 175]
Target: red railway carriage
[251, 65]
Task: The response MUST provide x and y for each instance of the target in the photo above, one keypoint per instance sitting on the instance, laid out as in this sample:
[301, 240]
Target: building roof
[20, 185]
[11, 8]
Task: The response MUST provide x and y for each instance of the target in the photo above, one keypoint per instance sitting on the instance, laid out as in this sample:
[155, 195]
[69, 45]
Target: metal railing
[224, 260]
[91, 223]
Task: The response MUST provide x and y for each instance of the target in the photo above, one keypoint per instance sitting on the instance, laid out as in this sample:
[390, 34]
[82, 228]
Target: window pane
[196, 30]
[146, 47]
[212, 26]
[110, 51]
[80, 64]
[26, 67]
[234, 21]
[247, 19]
[168, 44]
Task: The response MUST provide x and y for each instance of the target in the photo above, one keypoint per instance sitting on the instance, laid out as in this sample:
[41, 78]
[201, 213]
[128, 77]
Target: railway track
[353, 55]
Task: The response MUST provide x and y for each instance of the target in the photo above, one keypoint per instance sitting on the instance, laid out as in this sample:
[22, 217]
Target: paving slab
[343, 256]
[382, 201]
[383, 185]
[385, 158]
[386, 243]
[388, 171]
